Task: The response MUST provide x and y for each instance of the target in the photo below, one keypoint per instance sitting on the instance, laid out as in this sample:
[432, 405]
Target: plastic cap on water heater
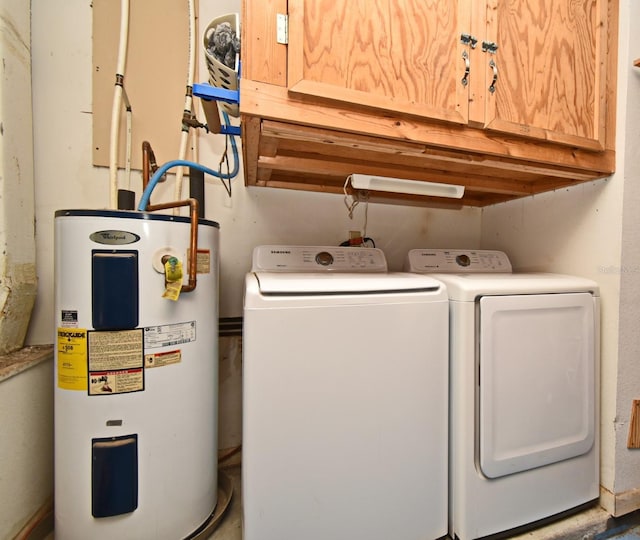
[158, 263]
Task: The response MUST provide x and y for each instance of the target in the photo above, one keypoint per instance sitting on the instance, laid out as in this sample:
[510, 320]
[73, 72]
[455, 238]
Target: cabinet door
[401, 56]
[551, 69]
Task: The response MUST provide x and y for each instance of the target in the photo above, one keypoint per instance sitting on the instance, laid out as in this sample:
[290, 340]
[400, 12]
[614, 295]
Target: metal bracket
[489, 46]
[282, 28]
[208, 92]
[468, 39]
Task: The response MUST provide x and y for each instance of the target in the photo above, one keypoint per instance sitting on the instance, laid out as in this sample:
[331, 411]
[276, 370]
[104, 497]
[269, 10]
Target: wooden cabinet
[507, 97]
[552, 70]
[402, 56]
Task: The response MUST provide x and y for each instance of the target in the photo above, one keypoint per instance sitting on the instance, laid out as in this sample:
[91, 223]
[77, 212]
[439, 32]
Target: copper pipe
[149, 164]
[193, 241]
[146, 150]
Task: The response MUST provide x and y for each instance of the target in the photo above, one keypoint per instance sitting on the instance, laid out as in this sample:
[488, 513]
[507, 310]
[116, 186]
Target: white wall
[17, 242]
[572, 231]
[627, 477]
[26, 446]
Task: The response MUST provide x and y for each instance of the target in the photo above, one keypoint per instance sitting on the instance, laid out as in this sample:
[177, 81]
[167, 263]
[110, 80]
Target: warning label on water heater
[116, 382]
[115, 361]
[161, 359]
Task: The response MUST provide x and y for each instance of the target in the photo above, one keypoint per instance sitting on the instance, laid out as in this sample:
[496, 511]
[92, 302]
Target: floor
[591, 524]
[620, 533]
[230, 526]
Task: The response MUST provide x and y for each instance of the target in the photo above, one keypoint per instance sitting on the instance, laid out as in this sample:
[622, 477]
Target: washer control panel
[459, 261]
[317, 259]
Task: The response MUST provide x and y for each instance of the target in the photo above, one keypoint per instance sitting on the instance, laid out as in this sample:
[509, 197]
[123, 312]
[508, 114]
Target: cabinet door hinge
[282, 26]
[489, 46]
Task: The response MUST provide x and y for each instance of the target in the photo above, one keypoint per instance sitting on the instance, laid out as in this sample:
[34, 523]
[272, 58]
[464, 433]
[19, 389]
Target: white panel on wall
[155, 76]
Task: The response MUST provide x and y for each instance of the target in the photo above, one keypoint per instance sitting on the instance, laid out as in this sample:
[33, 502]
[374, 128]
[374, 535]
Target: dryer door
[536, 395]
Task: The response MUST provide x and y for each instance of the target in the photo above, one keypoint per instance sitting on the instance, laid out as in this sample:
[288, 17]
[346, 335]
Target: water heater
[136, 374]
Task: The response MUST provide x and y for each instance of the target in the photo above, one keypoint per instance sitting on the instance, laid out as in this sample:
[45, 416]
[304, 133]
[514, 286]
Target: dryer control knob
[324, 258]
[463, 260]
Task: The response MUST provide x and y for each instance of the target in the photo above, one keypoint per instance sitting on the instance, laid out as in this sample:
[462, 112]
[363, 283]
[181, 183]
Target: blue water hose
[146, 195]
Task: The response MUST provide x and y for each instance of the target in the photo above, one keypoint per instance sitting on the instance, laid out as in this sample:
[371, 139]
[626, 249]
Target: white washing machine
[524, 353]
[345, 398]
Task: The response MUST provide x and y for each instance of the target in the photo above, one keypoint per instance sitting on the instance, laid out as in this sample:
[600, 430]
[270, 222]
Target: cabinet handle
[492, 87]
[467, 67]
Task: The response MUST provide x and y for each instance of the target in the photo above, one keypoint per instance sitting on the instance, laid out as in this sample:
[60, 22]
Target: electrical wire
[351, 206]
[229, 454]
[366, 215]
[146, 195]
[129, 142]
[117, 103]
[159, 173]
[234, 151]
[188, 100]
[224, 160]
[355, 242]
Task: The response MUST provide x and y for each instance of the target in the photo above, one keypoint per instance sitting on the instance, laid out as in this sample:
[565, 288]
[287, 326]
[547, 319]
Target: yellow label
[203, 261]
[72, 358]
[173, 269]
[172, 290]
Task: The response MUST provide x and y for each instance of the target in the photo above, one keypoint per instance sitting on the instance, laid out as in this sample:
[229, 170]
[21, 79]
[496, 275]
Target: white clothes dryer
[524, 355]
[345, 398]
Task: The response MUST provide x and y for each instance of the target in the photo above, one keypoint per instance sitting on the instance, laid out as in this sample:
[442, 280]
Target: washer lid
[276, 283]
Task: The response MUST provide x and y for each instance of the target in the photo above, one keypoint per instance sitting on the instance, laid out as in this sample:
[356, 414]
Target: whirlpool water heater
[136, 374]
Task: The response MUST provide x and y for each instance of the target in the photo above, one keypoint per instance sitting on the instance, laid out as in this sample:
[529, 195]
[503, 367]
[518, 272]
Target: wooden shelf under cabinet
[285, 155]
